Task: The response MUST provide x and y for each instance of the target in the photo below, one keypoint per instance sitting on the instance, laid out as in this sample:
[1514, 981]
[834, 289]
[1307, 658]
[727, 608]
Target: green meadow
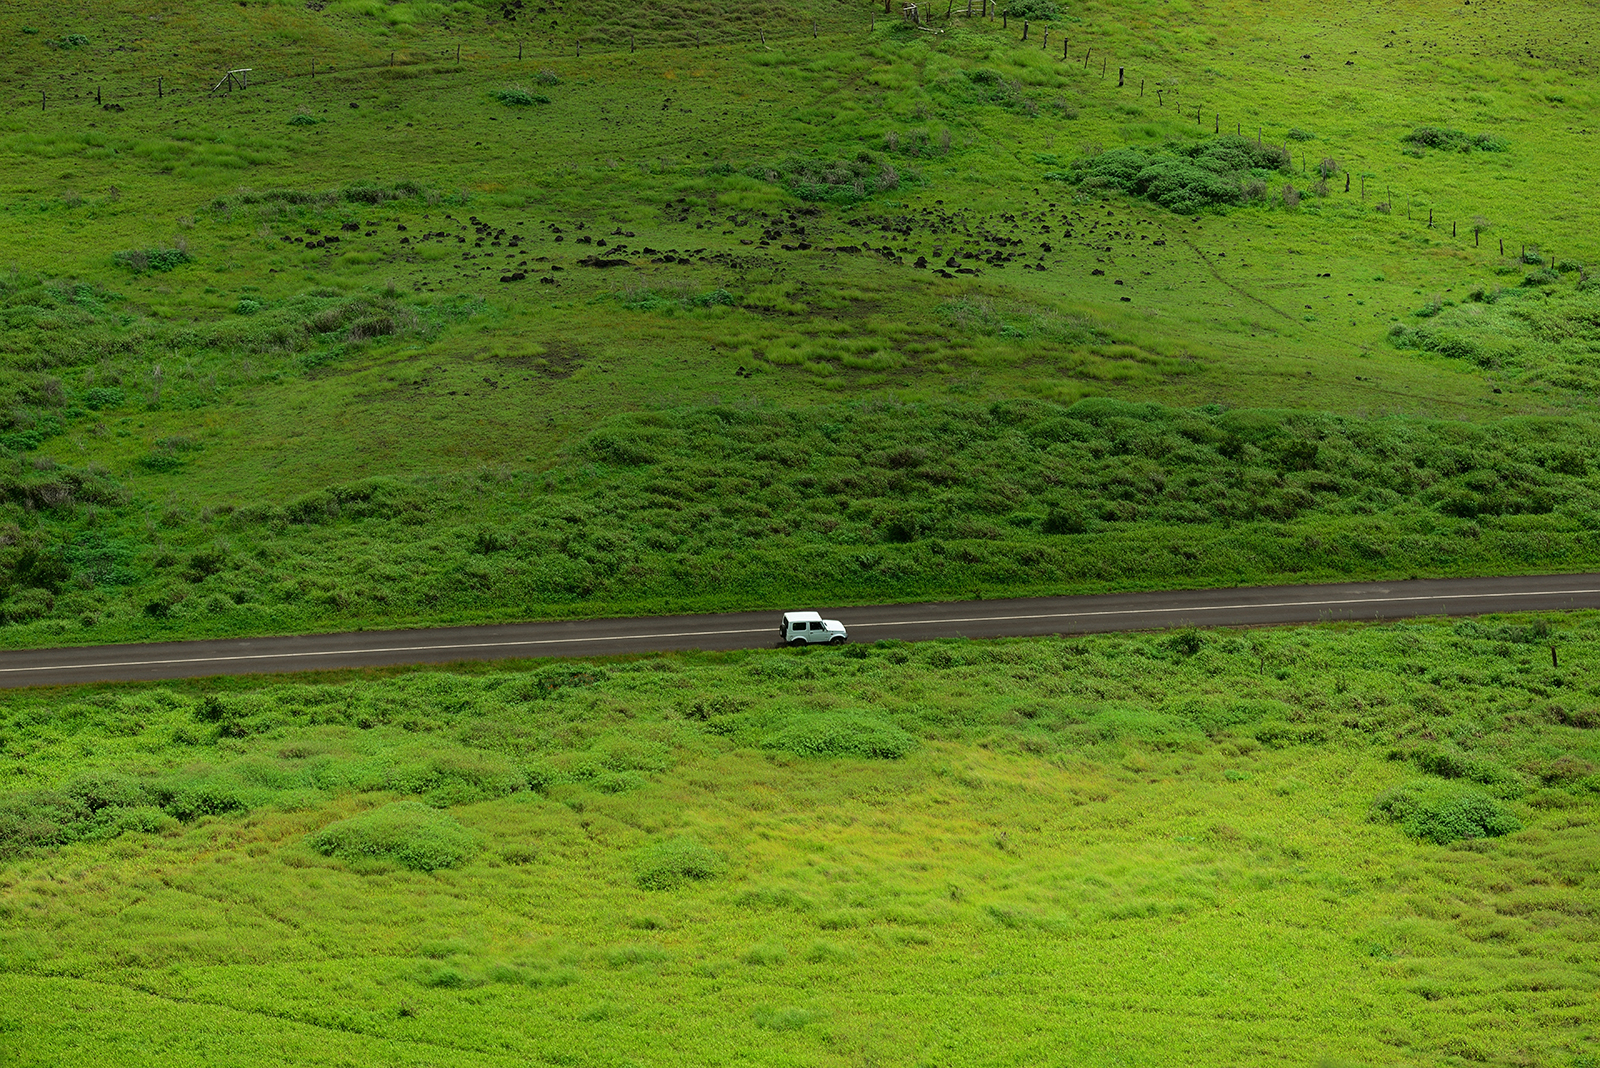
[287, 356]
[473, 311]
[1346, 844]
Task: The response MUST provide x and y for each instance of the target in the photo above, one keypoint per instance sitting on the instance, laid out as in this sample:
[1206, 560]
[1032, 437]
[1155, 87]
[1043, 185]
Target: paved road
[742, 630]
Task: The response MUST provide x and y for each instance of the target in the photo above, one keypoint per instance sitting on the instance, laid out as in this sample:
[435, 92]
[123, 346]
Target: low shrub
[1034, 10]
[1448, 140]
[673, 862]
[1191, 178]
[142, 260]
[516, 96]
[835, 181]
[836, 734]
[407, 833]
[101, 397]
[1452, 764]
[1443, 813]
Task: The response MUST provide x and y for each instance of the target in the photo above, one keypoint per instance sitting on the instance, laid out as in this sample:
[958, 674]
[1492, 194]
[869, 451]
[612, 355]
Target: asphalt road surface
[1252, 606]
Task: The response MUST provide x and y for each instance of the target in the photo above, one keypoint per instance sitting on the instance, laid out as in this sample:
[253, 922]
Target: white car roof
[802, 617]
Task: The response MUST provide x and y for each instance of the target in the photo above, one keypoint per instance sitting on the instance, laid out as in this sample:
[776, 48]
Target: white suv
[808, 628]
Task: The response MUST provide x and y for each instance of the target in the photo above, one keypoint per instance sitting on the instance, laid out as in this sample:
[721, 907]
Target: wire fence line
[508, 54]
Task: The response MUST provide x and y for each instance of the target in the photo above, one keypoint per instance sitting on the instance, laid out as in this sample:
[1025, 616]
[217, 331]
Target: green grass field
[1216, 848]
[492, 311]
[229, 313]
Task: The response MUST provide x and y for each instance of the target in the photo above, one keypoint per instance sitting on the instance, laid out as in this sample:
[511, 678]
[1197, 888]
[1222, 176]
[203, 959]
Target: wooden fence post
[1120, 71]
[1024, 29]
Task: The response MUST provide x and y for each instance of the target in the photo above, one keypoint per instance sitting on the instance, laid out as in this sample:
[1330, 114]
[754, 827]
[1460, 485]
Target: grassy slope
[1119, 850]
[1125, 850]
[485, 377]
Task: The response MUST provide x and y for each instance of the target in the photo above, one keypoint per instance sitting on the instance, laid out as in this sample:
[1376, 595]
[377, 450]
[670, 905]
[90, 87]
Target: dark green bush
[1060, 520]
[163, 463]
[407, 833]
[835, 734]
[103, 397]
[91, 808]
[190, 799]
[1453, 764]
[1444, 812]
[1033, 10]
[672, 862]
[140, 260]
[516, 96]
[833, 180]
[1449, 140]
[1191, 178]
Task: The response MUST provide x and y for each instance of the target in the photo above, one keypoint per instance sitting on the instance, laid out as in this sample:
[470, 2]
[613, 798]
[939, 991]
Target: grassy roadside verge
[725, 508]
[1377, 837]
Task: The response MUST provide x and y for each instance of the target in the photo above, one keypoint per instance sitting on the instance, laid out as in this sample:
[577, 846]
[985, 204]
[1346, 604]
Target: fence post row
[988, 12]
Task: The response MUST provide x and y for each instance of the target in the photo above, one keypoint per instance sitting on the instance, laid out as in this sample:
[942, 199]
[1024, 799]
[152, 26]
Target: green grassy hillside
[491, 311]
[450, 272]
[1346, 844]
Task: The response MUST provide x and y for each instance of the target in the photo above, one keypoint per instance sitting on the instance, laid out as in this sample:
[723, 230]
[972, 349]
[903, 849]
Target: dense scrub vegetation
[728, 506]
[1185, 177]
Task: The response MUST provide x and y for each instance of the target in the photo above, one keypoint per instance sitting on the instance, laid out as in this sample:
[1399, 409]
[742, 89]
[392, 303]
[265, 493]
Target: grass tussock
[407, 833]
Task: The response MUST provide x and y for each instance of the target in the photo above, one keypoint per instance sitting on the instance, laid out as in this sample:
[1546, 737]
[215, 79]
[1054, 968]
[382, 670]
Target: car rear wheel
[797, 641]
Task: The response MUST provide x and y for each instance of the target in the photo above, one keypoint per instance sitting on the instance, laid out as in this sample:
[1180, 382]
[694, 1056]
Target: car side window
[816, 626]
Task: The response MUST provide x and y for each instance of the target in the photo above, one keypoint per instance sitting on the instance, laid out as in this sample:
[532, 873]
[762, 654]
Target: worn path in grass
[1018, 617]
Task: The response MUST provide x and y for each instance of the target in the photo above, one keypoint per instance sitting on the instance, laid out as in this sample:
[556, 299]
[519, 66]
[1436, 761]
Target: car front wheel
[837, 641]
